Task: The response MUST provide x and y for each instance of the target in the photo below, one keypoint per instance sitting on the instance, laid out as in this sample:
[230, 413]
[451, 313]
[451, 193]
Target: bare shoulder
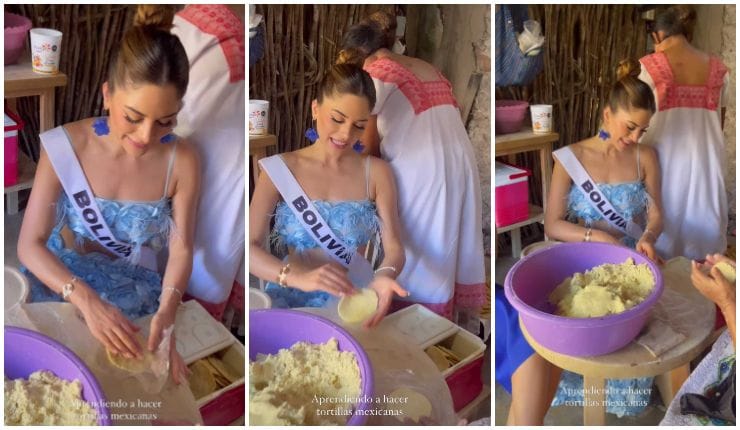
[648, 153]
[187, 159]
[379, 168]
[80, 133]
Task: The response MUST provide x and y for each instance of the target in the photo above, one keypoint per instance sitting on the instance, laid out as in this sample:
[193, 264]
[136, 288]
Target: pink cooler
[512, 194]
[13, 124]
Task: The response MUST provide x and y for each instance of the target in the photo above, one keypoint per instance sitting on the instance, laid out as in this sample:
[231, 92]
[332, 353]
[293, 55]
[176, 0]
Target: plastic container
[259, 299]
[27, 351]
[16, 29]
[510, 115]
[512, 194]
[16, 288]
[13, 125]
[531, 280]
[273, 329]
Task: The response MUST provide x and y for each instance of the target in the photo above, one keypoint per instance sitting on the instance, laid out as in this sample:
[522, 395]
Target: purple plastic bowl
[532, 279]
[27, 351]
[271, 330]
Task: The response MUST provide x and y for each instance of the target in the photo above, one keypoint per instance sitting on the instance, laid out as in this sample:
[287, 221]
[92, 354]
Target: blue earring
[100, 126]
[312, 134]
[167, 138]
[358, 147]
[603, 135]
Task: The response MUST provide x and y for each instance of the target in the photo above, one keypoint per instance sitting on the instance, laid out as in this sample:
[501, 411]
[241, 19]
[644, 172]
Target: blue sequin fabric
[132, 288]
[354, 221]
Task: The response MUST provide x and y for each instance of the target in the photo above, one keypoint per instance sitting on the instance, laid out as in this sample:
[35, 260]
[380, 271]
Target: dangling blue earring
[312, 134]
[167, 138]
[100, 126]
[358, 147]
[603, 135]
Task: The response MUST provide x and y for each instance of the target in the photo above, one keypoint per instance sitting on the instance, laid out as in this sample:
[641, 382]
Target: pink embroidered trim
[217, 20]
[672, 95]
[421, 95]
[471, 295]
[442, 309]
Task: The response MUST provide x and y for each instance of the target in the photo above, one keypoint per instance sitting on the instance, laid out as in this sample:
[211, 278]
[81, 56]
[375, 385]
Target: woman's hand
[162, 320]
[647, 248]
[330, 277]
[713, 285]
[602, 236]
[109, 326]
[385, 287]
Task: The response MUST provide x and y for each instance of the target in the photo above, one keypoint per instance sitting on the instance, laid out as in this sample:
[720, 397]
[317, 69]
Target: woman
[708, 395]
[145, 183]
[416, 126]
[690, 89]
[354, 194]
[628, 176]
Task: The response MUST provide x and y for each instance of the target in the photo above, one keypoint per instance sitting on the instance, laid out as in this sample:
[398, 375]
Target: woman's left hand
[385, 287]
[163, 319]
[713, 285]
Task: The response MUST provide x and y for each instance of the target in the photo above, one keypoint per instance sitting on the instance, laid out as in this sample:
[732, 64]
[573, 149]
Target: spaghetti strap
[639, 176]
[169, 169]
[367, 177]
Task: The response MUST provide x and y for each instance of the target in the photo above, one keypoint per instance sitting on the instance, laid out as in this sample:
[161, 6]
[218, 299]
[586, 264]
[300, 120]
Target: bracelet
[386, 267]
[68, 288]
[283, 276]
[587, 236]
[173, 289]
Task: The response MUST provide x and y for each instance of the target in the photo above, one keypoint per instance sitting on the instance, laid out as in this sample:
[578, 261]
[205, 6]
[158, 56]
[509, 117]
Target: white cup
[541, 118]
[259, 116]
[46, 45]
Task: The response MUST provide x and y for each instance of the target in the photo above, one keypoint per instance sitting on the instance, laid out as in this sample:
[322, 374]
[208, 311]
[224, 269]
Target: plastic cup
[541, 118]
[46, 45]
[259, 116]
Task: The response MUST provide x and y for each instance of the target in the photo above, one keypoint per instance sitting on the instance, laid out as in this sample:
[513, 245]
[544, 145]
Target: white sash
[61, 154]
[360, 270]
[593, 194]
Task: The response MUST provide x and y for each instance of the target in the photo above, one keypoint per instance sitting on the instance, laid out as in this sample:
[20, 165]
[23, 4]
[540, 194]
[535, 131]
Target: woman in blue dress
[628, 175]
[145, 183]
[354, 193]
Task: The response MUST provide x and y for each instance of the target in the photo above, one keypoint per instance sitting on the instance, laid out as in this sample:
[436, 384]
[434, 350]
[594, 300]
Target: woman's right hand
[330, 277]
[602, 236]
[109, 326]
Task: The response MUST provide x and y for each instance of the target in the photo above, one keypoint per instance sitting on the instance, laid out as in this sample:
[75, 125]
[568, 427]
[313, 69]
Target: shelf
[26, 172]
[21, 80]
[523, 141]
[536, 214]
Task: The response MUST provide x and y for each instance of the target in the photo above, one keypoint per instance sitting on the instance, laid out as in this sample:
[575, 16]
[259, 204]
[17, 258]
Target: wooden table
[525, 141]
[258, 149]
[22, 81]
[634, 361]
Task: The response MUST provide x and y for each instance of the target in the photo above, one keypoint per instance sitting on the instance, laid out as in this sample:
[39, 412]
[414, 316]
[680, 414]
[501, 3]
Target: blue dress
[354, 221]
[631, 200]
[134, 289]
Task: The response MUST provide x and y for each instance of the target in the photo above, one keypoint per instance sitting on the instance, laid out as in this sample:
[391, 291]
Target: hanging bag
[513, 67]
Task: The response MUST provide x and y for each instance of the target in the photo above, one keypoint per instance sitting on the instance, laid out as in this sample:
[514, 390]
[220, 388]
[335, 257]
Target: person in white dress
[690, 88]
[418, 130]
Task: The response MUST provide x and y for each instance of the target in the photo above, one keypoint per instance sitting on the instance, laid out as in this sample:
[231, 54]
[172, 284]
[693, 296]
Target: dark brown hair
[347, 78]
[386, 24]
[149, 53]
[629, 92]
[678, 19]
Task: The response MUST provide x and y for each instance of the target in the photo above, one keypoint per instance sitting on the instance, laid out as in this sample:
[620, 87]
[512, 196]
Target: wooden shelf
[21, 80]
[536, 214]
[523, 141]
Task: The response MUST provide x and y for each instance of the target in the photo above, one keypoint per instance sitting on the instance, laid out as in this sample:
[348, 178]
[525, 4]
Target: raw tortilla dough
[413, 404]
[727, 271]
[604, 290]
[305, 385]
[134, 365]
[358, 307]
[45, 399]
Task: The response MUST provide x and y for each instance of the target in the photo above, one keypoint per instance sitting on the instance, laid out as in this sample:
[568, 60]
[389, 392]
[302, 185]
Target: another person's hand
[713, 285]
[110, 327]
[162, 320]
[385, 287]
[330, 277]
[647, 248]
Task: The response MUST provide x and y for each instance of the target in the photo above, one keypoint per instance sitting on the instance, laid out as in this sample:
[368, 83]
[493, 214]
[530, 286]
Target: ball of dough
[413, 404]
[358, 307]
[727, 271]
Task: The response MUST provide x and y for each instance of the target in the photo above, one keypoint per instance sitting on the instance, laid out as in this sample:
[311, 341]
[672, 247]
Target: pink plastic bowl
[533, 278]
[510, 115]
[16, 29]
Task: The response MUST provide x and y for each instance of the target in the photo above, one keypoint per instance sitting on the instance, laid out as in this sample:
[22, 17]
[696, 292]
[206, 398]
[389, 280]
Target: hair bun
[685, 14]
[157, 16]
[629, 67]
[351, 56]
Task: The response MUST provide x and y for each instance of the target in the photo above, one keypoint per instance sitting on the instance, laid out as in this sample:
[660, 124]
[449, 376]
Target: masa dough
[358, 307]
[134, 365]
[413, 404]
[45, 399]
[305, 385]
[727, 271]
[607, 289]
